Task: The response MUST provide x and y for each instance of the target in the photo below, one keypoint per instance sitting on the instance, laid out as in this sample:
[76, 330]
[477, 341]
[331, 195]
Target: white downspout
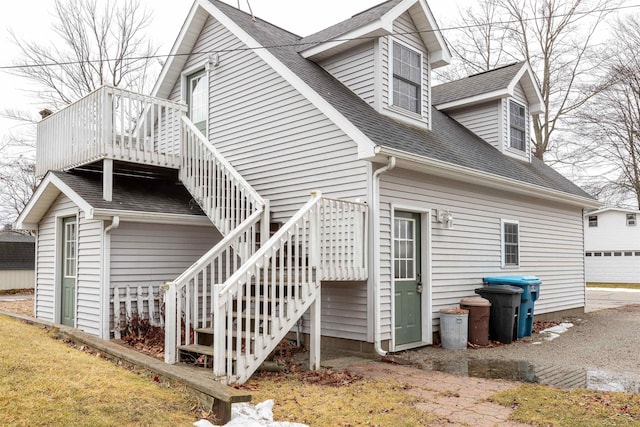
[106, 275]
[376, 253]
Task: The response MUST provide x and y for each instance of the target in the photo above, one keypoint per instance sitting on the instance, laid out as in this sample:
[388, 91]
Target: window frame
[392, 78]
[592, 220]
[504, 243]
[512, 127]
[631, 220]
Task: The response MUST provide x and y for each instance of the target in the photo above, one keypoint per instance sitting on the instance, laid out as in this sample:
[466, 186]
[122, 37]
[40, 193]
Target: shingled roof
[476, 84]
[448, 142]
[132, 193]
[17, 251]
[355, 22]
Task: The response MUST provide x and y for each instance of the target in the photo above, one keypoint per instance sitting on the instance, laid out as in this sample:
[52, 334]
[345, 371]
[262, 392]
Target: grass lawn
[44, 381]
[546, 406]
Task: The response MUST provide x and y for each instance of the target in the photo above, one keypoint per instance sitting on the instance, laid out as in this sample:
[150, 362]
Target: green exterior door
[68, 269]
[407, 278]
[198, 100]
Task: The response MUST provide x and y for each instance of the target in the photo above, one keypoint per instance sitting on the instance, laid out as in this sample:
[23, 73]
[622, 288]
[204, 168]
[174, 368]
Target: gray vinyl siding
[343, 311]
[482, 120]
[89, 275]
[356, 70]
[280, 143]
[405, 31]
[551, 244]
[152, 254]
[46, 269]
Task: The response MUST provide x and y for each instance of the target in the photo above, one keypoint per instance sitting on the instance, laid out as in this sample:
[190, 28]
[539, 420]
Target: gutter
[106, 275]
[465, 174]
[376, 254]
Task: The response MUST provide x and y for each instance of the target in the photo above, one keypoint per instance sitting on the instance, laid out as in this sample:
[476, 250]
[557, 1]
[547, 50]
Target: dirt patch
[24, 307]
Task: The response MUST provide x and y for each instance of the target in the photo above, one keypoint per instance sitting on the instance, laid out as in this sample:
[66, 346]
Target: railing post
[219, 333]
[170, 322]
[315, 332]
[107, 120]
[315, 227]
[265, 223]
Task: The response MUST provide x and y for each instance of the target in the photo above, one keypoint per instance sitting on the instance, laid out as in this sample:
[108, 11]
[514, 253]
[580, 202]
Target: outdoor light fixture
[447, 220]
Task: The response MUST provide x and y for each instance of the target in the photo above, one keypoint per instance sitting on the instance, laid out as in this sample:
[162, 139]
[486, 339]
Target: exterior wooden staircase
[232, 307]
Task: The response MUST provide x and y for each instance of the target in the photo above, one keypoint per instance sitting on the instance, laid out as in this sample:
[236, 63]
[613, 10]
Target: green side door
[68, 269]
[407, 278]
[198, 100]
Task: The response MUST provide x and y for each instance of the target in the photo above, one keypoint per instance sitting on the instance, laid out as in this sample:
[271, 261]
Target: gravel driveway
[601, 343]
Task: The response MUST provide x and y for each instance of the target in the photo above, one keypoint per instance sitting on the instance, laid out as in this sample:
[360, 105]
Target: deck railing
[114, 124]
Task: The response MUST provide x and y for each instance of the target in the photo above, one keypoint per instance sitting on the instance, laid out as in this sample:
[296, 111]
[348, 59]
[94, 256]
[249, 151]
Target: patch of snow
[554, 332]
[558, 329]
[248, 415]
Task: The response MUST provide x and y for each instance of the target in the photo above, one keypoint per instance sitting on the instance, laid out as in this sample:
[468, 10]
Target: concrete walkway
[601, 298]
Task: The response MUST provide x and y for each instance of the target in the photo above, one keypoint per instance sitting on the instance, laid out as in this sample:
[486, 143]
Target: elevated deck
[114, 124]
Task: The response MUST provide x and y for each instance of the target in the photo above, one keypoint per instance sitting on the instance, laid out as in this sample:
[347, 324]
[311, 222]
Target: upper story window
[407, 78]
[517, 126]
[631, 219]
[593, 220]
[510, 243]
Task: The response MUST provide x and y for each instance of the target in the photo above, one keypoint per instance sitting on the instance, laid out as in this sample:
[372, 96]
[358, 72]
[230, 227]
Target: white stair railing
[236, 210]
[189, 298]
[261, 302]
[223, 194]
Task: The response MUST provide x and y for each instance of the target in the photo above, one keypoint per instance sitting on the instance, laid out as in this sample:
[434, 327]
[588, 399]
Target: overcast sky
[31, 20]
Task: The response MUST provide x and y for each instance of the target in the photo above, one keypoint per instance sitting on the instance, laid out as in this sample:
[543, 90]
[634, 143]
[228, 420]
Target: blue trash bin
[530, 286]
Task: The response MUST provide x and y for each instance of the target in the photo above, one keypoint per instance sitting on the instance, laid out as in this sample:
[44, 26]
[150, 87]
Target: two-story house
[274, 182]
[612, 245]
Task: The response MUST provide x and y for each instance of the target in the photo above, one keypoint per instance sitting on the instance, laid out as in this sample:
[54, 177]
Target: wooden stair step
[207, 350]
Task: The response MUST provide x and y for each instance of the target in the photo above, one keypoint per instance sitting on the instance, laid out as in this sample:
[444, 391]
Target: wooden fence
[131, 302]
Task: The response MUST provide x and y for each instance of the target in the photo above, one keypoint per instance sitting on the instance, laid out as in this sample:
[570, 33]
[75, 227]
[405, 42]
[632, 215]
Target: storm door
[198, 100]
[69, 271]
[407, 278]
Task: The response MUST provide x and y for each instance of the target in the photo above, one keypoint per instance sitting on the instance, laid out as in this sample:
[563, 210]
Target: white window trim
[527, 143]
[503, 264]
[420, 114]
[205, 66]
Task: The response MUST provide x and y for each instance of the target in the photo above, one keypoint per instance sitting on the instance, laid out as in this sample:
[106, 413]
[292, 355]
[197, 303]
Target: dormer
[385, 55]
[497, 105]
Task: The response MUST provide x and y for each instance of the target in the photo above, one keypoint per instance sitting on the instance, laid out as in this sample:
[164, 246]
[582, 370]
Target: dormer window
[517, 126]
[407, 78]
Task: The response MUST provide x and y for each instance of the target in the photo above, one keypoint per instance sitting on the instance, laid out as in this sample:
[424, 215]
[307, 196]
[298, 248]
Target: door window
[70, 249]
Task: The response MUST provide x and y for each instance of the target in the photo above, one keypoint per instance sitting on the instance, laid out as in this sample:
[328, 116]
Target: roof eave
[439, 53]
[348, 40]
[474, 100]
[468, 175]
[46, 193]
[152, 217]
[178, 55]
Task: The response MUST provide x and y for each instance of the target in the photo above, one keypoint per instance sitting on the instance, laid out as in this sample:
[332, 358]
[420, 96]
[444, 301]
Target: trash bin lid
[499, 289]
[475, 302]
[512, 280]
[454, 311]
